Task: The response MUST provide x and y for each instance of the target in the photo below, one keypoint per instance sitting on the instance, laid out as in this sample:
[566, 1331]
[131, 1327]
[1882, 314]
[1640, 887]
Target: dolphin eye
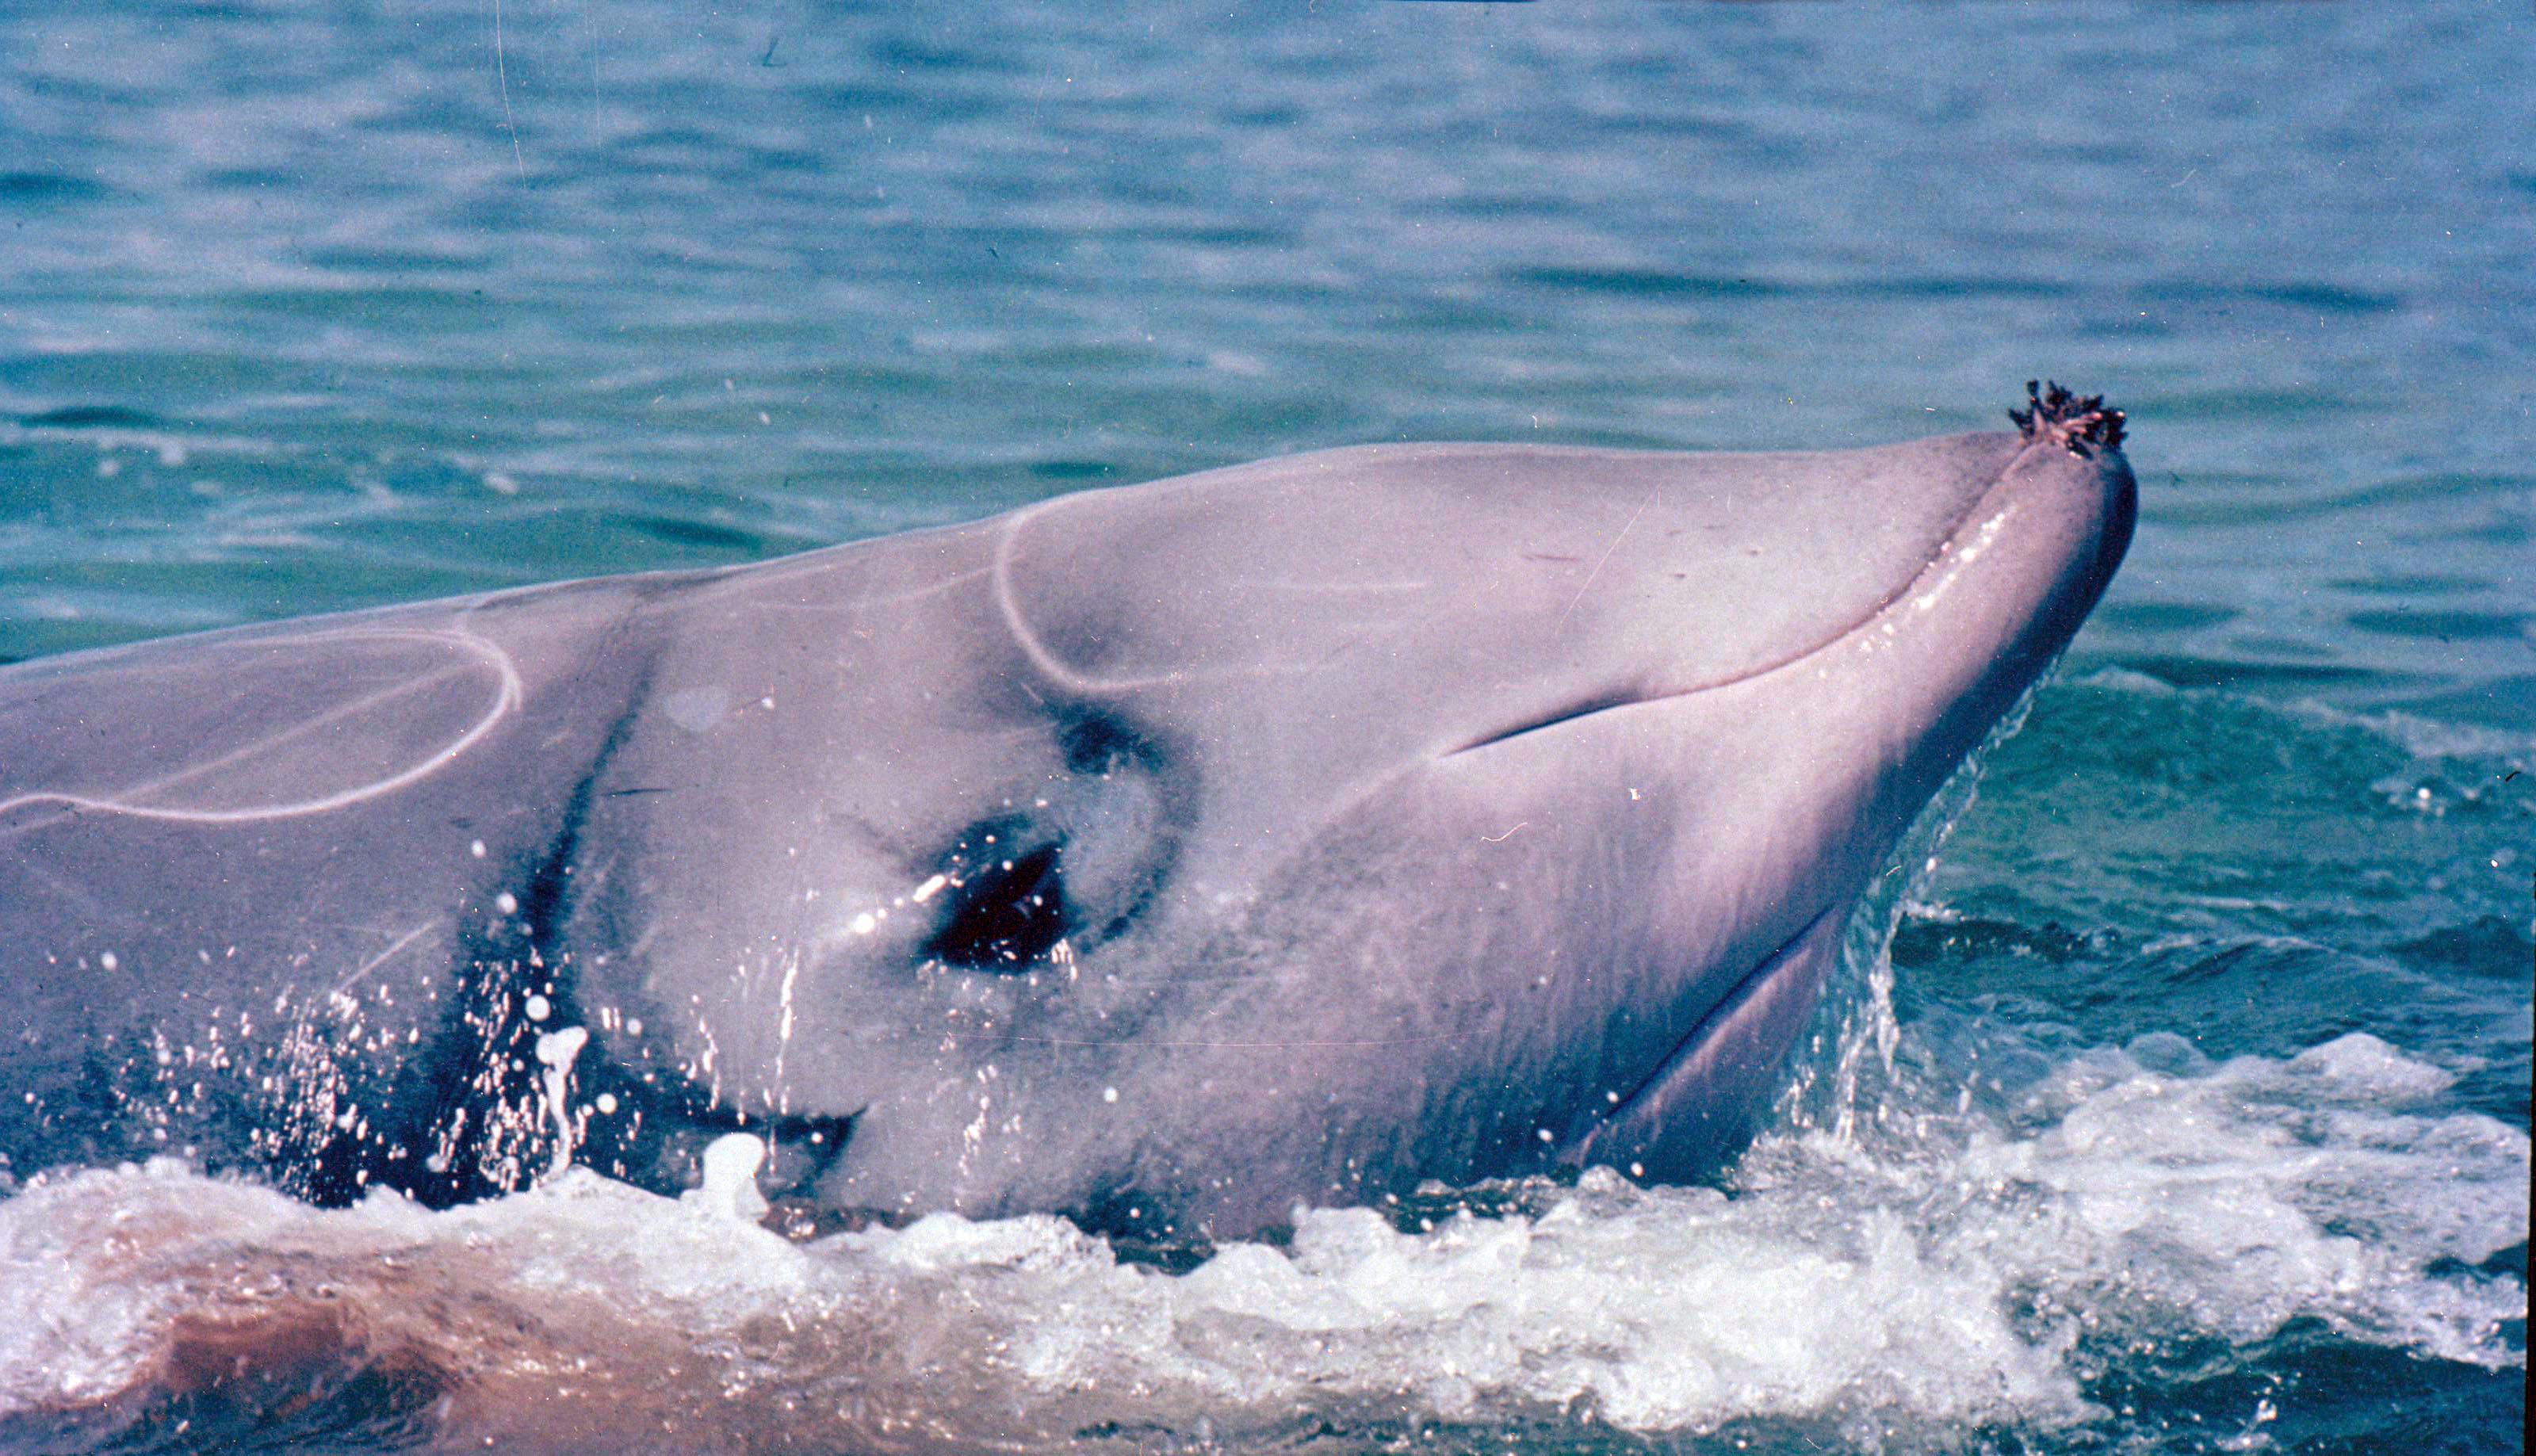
[1079, 866]
[1006, 907]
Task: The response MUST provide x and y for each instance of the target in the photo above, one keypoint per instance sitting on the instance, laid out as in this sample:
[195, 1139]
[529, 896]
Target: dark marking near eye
[1004, 914]
[1098, 743]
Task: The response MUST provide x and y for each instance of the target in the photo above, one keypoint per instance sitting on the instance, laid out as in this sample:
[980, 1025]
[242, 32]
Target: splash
[1981, 1268]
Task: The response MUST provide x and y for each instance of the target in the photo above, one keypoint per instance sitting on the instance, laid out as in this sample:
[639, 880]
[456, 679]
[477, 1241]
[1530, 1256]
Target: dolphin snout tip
[2084, 436]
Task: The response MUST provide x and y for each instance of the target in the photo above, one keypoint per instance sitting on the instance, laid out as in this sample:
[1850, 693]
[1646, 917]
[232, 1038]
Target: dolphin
[1166, 857]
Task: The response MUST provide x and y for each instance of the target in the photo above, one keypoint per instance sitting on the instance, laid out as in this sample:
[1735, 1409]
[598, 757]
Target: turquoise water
[304, 308]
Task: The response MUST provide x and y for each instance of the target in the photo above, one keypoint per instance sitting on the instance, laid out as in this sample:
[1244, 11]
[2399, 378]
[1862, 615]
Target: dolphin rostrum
[1165, 857]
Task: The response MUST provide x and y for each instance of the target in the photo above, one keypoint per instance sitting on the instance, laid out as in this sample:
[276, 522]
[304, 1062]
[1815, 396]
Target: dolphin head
[1294, 833]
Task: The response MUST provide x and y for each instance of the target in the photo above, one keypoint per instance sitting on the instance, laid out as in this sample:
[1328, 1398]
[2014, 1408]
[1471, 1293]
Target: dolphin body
[1166, 857]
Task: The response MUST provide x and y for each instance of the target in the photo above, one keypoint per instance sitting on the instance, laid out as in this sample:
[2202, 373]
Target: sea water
[2176, 1094]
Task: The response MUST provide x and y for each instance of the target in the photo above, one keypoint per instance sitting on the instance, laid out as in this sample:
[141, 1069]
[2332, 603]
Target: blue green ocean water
[2186, 1110]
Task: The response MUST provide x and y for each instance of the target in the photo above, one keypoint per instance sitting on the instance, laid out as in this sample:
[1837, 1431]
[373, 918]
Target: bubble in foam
[729, 1187]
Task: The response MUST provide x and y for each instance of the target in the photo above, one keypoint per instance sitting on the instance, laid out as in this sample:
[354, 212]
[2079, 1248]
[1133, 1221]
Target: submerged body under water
[2175, 1094]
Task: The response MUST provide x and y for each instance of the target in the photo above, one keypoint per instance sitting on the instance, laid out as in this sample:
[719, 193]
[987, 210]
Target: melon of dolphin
[1167, 856]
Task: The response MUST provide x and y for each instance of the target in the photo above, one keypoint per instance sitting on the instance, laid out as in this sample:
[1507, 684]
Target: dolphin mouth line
[1578, 1147]
[1948, 550]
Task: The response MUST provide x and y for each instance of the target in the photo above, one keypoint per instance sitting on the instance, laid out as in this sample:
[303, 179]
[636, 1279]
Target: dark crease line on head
[1780, 662]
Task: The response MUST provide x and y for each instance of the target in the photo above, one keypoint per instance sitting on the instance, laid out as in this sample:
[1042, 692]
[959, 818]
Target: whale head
[1290, 834]
[1165, 857]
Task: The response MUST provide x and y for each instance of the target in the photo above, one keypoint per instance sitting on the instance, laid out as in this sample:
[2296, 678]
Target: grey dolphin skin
[1166, 857]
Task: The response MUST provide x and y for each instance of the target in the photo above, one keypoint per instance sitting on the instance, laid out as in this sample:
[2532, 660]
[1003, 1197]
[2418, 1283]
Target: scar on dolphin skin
[1605, 560]
[508, 695]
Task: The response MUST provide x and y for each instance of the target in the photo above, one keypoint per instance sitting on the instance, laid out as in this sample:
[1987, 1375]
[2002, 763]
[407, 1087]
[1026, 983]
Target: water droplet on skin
[556, 1049]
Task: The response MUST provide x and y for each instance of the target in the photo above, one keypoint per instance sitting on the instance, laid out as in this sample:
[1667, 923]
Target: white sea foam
[1963, 1272]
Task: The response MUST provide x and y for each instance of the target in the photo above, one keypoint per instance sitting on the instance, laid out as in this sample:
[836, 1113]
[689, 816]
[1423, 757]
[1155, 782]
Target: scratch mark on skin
[1049, 665]
[1498, 839]
[814, 564]
[1607, 558]
[1339, 589]
[344, 986]
[69, 888]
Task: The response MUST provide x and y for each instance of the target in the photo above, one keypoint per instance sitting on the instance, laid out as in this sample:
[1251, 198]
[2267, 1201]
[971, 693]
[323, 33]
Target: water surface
[2186, 1108]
